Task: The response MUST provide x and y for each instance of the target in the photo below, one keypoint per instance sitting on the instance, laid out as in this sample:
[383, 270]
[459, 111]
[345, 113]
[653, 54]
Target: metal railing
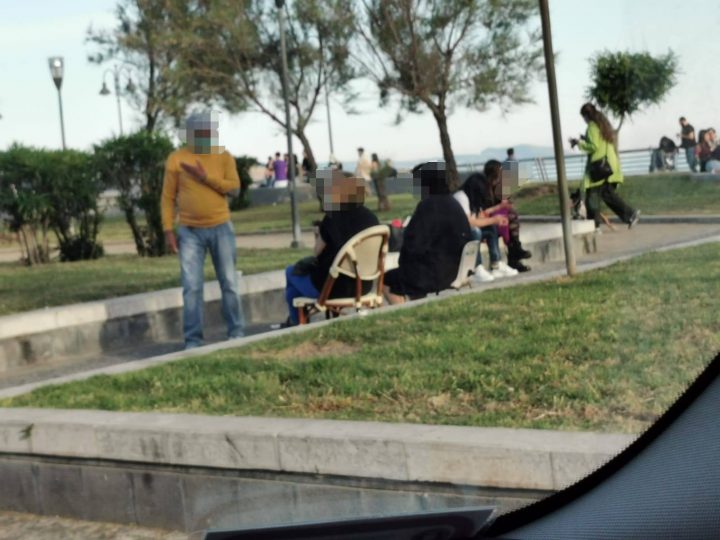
[544, 169]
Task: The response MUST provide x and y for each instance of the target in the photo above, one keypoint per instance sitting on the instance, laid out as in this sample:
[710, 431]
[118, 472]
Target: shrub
[134, 165]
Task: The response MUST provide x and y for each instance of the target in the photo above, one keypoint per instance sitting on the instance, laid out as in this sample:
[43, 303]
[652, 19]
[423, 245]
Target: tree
[232, 51]
[135, 166]
[624, 82]
[472, 53]
[145, 41]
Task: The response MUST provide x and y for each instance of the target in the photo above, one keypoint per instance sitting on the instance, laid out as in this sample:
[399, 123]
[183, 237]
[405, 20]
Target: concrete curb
[659, 219]
[487, 457]
[48, 319]
[522, 279]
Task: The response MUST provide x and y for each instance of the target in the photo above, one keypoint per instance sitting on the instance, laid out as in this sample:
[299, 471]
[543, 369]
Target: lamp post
[130, 87]
[297, 239]
[57, 68]
[557, 138]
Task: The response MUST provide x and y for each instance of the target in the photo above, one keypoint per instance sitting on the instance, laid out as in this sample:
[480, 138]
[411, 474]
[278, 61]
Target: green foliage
[624, 82]
[54, 190]
[135, 166]
[473, 53]
[231, 50]
[145, 42]
[243, 164]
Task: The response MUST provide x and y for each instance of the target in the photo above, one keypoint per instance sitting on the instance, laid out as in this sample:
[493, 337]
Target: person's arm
[230, 180]
[592, 139]
[690, 135]
[480, 221]
[167, 204]
[319, 242]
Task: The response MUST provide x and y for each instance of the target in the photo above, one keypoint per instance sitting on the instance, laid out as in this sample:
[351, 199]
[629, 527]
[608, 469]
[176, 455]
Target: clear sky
[33, 30]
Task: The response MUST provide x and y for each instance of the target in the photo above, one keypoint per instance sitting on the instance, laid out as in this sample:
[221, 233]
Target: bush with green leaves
[56, 190]
[134, 165]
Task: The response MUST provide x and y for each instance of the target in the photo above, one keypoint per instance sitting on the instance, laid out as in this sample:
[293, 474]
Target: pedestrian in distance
[602, 171]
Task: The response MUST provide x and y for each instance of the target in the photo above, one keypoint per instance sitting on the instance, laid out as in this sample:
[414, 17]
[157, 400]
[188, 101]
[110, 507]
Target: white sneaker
[482, 275]
[503, 270]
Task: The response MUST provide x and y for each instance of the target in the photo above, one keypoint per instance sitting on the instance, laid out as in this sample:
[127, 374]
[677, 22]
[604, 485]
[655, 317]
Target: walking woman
[602, 173]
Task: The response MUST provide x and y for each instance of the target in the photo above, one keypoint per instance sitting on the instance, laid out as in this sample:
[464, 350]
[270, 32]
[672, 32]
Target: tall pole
[116, 76]
[327, 107]
[296, 241]
[557, 139]
[62, 120]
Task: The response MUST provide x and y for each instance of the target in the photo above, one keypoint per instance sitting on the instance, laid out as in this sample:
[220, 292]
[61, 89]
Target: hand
[483, 214]
[502, 221]
[197, 171]
[171, 242]
[573, 142]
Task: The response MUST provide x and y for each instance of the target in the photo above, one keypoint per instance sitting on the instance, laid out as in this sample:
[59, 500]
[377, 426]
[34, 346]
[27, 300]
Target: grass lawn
[653, 194]
[608, 350]
[54, 284]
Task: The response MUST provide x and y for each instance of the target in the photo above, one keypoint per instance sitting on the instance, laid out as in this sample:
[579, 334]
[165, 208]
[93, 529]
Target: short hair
[683, 119]
[361, 149]
[510, 151]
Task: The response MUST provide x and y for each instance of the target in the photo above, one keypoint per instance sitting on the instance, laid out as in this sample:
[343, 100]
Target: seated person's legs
[297, 286]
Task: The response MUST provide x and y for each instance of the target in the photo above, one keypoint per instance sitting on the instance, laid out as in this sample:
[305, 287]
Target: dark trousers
[607, 192]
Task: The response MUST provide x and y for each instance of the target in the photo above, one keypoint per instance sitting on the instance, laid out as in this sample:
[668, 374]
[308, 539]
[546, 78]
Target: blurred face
[202, 134]
[586, 118]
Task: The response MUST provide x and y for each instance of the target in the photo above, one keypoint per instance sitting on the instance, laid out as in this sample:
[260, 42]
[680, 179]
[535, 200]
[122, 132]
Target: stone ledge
[46, 320]
[487, 457]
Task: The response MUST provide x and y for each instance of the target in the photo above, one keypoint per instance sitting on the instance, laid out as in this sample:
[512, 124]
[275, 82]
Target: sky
[33, 30]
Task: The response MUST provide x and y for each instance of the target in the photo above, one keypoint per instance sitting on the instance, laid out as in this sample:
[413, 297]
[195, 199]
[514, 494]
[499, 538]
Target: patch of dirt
[307, 350]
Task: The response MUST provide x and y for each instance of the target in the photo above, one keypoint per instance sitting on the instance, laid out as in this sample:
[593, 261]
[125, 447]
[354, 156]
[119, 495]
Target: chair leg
[302, 315]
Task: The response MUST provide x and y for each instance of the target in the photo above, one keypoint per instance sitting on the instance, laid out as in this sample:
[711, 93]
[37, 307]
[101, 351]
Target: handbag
[600, 169]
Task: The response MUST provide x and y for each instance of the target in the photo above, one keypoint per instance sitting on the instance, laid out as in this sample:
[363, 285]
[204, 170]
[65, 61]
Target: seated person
[510, 233]
[713, 163]
[433, 240]
[473, 196]
[704, 148]
[345, 216]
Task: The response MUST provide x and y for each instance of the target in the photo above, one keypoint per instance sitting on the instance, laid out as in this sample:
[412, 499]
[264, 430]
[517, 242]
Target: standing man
[510, 154]
[363, 169]
[198, 177]
[687, 141]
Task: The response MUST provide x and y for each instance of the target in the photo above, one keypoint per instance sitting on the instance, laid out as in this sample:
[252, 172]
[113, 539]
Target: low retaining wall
[460, 462]
[53, 334]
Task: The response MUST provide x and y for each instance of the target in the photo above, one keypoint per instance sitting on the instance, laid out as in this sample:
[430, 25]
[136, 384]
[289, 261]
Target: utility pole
[557, 139]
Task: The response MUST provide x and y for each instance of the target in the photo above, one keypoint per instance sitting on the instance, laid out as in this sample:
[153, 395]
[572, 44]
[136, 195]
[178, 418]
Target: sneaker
[634, 219]
[519, 266]
[503, 270]
[482, 275]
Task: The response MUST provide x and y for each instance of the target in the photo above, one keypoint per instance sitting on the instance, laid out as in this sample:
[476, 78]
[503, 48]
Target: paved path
[14, 526]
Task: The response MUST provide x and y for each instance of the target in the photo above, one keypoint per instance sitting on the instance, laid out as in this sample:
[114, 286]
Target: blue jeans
[691, 159]
[490, 235]
[297, 286]
[195, 242]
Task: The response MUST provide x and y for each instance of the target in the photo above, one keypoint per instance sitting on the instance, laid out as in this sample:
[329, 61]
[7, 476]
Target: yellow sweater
[200, 204]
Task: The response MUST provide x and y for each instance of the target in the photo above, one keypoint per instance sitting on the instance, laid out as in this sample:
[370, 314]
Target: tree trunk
[453, 179]
[300, 134]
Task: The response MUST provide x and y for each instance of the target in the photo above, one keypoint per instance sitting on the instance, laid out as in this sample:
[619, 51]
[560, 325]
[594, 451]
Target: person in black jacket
[345, 216]
[433, 240]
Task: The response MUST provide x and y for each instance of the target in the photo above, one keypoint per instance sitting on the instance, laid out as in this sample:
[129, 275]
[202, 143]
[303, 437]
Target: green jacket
[596, 147]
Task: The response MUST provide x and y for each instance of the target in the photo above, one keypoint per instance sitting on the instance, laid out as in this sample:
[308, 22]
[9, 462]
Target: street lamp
[296, 241]
[57, 67]
[129, 87]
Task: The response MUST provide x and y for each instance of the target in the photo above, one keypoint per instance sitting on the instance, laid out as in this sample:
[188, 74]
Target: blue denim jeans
[490, 235]
[691, 159]
[297, 286]
[194, 243]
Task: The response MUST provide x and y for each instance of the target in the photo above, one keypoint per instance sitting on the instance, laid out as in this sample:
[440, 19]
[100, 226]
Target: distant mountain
[522, 151]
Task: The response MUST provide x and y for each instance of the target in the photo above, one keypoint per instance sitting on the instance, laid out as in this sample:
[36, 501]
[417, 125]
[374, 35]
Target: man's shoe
[482, 275]
[634, 219]
[503, 270]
